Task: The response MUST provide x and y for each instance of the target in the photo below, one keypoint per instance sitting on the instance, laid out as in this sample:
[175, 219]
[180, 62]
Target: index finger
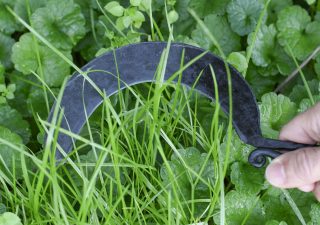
[304, 128]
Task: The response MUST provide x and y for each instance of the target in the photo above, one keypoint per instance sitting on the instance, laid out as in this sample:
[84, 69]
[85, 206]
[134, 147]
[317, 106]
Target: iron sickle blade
[137, 63]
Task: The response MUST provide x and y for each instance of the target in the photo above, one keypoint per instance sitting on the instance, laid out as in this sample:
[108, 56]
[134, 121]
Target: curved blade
[137, 63]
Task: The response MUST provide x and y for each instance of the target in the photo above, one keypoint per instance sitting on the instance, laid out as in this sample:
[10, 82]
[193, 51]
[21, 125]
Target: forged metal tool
[137, 63]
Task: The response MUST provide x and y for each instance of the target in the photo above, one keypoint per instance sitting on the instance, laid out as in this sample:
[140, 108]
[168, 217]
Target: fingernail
[275, 174]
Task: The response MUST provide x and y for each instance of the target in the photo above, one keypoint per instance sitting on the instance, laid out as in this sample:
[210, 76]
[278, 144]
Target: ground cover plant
[154, 153]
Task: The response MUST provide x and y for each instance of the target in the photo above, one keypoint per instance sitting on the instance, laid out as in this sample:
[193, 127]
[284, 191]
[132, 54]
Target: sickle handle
[258, 157]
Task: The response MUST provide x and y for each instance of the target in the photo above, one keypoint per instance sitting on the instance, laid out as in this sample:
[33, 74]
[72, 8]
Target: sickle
[137, 63]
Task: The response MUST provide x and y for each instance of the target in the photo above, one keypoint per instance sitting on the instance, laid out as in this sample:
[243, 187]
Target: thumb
[295, 169]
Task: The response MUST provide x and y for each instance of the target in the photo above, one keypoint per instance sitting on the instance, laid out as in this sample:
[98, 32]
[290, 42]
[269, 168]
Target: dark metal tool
[137, 63]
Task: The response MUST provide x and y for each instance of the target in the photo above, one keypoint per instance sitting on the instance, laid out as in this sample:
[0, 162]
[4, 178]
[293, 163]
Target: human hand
[300, 168]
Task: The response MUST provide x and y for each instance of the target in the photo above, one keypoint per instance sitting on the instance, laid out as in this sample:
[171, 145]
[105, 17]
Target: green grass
[120, 183]
[133, 193]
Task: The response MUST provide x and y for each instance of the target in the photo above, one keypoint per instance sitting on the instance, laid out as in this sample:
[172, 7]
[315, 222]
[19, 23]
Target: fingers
[301, 168]
[305, 128]
[295, 169]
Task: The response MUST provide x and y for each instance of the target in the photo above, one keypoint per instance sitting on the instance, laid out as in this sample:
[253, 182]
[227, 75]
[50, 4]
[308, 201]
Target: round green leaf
[173, 16]
[10, 156]
[186, 40]
[310, 2]
[8, 24]
[123, 22]
[275, 111]
[220, 29]
[3, 88]
[134, 16]
[60, 22]
[120, 23]
[181, 164]
[246, 178]
[264, 45]
[206, 7]
[238, 60]
[299, 91]
[22, 90]
[21, 8]
[114, 8]
[6, 43]
[135, 2]
[296, 31]
[306, 103]
[24, 56]
[11, 87]
[274, 7]
[145, 5]
[238, 151]
[10, 95]
[3, 100]
[53, 68]
[240, 207]
[268, 54]
[243, 15]
[12, 119]
[315, 213]
[278, 207]
[9, 218]
[36, 102]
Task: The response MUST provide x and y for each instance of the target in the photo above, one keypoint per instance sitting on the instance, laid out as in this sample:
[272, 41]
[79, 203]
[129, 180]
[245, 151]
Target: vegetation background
[151, 155]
